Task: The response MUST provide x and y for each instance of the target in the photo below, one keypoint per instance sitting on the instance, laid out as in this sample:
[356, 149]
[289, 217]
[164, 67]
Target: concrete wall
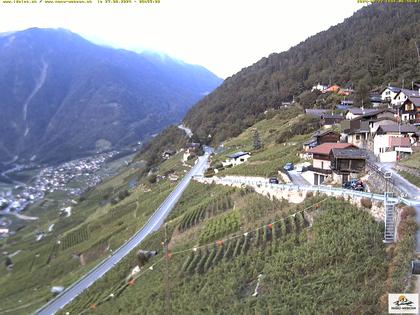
[388, 156]
[321, 164]
[295, 196]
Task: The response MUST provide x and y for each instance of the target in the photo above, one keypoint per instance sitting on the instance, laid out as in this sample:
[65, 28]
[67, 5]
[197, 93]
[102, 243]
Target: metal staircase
[389, 235]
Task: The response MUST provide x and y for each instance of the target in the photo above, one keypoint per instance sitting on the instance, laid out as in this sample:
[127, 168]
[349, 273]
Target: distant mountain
[378, 45]
[62, 96]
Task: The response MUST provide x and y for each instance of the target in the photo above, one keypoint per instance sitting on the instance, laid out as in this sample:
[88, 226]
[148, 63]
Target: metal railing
[319, 188]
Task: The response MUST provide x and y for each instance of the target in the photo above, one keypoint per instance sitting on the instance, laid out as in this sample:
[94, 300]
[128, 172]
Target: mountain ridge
[68, 93]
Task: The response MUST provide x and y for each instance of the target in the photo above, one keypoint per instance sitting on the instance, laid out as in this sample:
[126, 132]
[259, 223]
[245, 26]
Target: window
[357, 137]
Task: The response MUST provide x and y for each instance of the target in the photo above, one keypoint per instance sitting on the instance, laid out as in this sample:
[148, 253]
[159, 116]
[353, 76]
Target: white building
[355, 112]
[237, 158]
[389, 93]
[319, 87]
[403, 95]
[393, 141]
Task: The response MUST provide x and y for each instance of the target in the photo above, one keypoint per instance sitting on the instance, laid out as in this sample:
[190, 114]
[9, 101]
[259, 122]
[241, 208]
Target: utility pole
[167, 280]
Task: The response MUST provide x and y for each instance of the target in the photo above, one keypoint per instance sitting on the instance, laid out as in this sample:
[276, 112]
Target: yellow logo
[403, 301]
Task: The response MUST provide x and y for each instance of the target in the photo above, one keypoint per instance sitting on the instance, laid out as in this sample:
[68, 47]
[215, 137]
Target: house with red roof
[336, 162]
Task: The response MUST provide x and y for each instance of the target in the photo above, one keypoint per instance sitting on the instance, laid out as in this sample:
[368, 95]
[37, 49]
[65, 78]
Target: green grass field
[273, 155]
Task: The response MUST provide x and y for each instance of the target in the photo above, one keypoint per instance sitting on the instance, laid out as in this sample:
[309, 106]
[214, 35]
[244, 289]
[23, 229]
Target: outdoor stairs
[389, 235]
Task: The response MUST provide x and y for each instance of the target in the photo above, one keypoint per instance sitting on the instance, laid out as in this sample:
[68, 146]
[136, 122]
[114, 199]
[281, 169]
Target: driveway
[297, 178]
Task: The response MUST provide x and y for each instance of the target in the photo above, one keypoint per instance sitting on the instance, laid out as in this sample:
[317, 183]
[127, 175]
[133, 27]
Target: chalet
[409, 111]
[387, 145]
[321, 137]
[354, 112]
[237, 158]
[374, 125]
[331, 119]
[403, 95]
[346, 162]
[322, 157]
[358, 134]
[389, 93]
[378, 114]
[376, 100]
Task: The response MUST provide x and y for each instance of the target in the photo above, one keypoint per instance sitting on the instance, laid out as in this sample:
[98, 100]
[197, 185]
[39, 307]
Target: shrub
[366, 203]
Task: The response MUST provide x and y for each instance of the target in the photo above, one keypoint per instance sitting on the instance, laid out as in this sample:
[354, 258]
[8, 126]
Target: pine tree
[256, 140]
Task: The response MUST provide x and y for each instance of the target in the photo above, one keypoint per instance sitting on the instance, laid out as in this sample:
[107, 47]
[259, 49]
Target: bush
[366, 203]
[152, 179]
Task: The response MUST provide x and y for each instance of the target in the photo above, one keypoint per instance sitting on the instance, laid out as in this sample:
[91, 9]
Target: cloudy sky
[222, 35]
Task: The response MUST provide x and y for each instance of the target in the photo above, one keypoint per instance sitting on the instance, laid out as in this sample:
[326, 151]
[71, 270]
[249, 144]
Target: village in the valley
[52, 179]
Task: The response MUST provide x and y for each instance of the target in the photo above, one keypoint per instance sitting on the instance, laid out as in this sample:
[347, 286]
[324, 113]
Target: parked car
[273, 180]
[289, 167]
[355, 184]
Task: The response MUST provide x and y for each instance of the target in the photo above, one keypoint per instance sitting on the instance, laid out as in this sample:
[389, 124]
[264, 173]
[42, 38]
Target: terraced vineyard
[204, 258]
[220, 226]
[198, 214]
[75, 237]
[327, 249]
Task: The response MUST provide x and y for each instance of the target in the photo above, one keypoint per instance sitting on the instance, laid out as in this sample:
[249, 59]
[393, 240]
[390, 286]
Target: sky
[222, 35]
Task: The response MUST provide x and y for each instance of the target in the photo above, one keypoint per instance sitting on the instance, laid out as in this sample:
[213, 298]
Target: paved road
[410, 190]
[18, 215]
[297, 178]
[154, 222]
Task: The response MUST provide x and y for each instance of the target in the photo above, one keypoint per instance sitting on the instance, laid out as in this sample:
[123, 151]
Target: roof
[325, 132]
[237, 154]
[375, 112]
[376, 98]
[398, 128]
[360, 111]
[392, 88]
[357, 131]
[349, 154]
[315, 112]
[325, 148]
[332, 116]
[399, 142]
[409, 93]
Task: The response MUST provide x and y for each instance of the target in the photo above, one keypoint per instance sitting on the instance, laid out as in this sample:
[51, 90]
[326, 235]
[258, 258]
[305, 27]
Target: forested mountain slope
[378, 45]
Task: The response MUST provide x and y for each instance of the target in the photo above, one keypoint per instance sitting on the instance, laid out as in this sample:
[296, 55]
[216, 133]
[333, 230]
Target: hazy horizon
[222, 37]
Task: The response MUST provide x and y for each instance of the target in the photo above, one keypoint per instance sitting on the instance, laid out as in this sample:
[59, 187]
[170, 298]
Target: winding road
[153, 224]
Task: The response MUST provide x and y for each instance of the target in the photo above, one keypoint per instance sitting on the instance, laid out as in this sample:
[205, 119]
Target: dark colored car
[273, 180]
[289, 167]
[355, 184]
